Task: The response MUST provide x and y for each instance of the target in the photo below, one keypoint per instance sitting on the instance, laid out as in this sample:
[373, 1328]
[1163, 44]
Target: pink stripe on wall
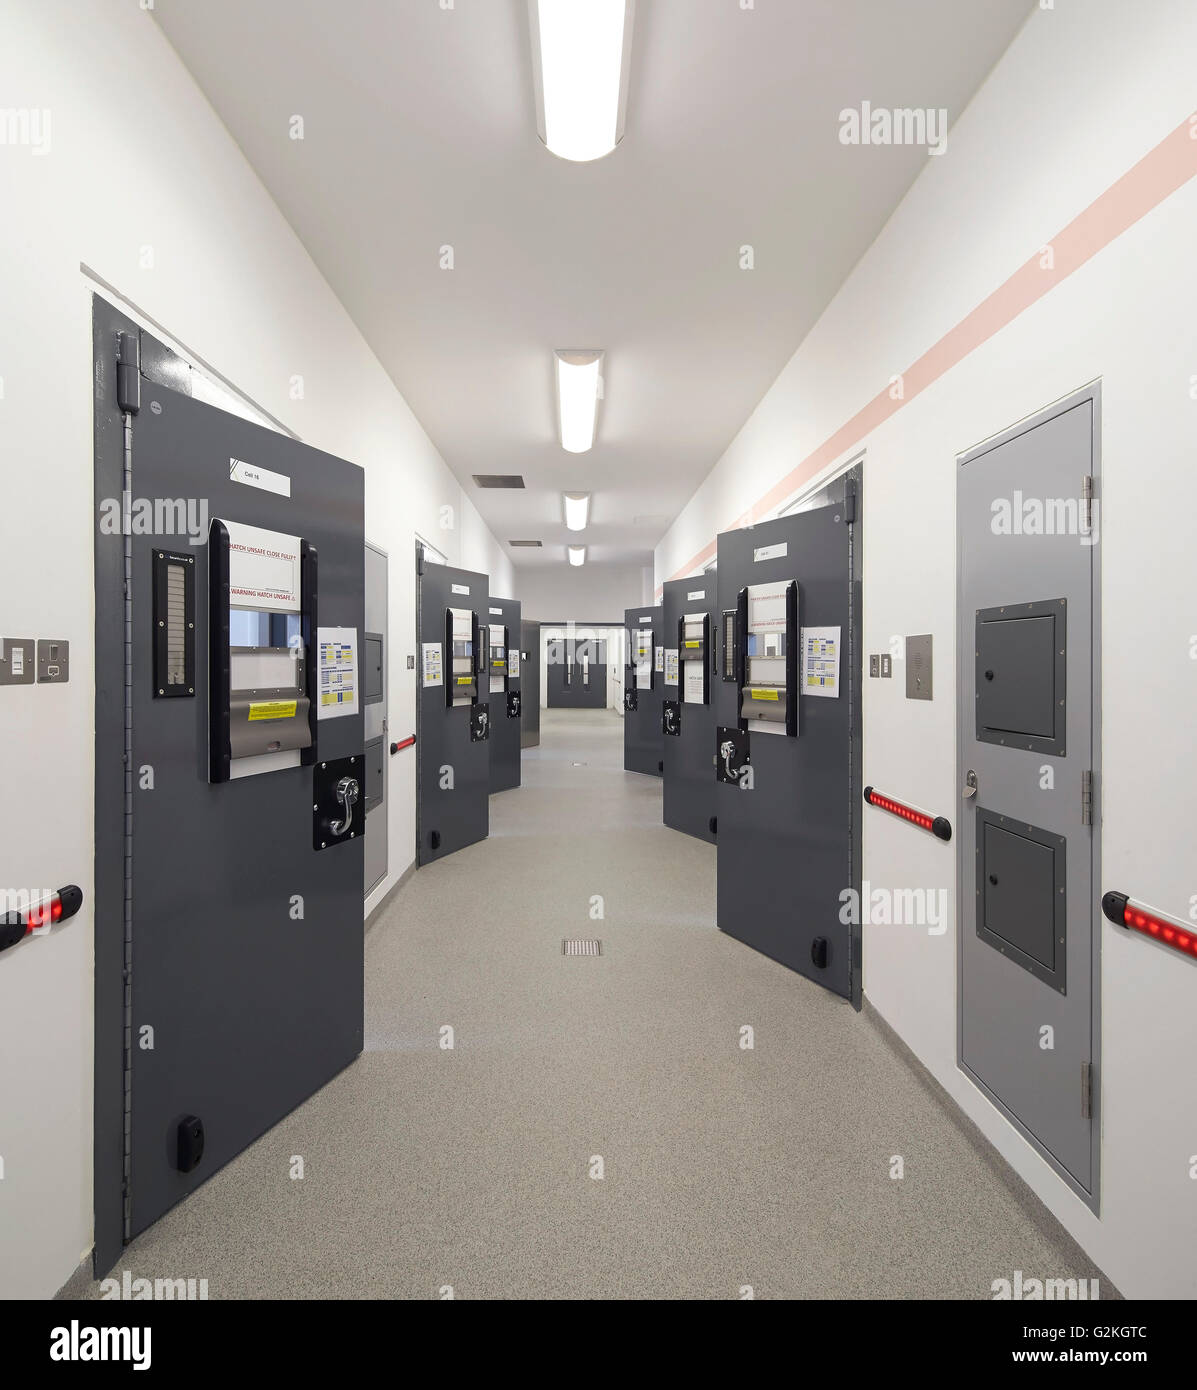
[1141, 189]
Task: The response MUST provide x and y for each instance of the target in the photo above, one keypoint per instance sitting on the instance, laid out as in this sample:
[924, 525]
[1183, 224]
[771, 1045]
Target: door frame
[1091, 393]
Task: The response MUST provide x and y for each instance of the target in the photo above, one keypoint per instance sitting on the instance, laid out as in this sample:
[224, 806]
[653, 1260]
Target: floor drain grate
[580, 947]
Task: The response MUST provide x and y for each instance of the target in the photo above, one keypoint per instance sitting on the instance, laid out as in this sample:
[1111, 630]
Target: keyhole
[993, 879]
[989, 675]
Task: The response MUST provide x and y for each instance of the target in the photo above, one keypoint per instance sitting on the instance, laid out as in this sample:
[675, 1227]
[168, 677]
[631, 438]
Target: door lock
[347, 791]
[970, 784]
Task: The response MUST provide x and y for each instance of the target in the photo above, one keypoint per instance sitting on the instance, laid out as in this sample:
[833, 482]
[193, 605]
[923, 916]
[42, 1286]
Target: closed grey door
[1027, 998]
[577, 673]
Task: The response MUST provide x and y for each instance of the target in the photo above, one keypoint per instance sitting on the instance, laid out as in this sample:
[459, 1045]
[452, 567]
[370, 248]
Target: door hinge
[850, 502]
[1087, 504]
[1086, 1091]
[128, 372]
[1086, 798]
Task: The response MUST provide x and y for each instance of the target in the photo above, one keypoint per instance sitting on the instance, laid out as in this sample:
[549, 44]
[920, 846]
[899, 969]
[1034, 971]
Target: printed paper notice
[513, 663]
[821, 661]
[659, 659]
[338, 671]
[671, 666]
[432, 665]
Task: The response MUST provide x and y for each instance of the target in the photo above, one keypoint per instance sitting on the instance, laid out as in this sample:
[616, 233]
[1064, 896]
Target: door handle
[347, 791]
[970, 784]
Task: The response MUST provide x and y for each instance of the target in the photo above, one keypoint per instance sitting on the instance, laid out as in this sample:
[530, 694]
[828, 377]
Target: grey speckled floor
[471, 1167]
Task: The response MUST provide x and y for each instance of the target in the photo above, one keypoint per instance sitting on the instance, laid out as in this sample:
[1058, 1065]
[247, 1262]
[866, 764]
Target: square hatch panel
[1021, 662]
[1021, 897]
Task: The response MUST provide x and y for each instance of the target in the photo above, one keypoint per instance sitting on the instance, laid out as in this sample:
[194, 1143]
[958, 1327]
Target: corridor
[724, 1168]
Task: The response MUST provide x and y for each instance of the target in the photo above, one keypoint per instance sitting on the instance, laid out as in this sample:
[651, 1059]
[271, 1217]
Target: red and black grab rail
[1123, 913]
[402, 744]
[15, 926]
[939, 826]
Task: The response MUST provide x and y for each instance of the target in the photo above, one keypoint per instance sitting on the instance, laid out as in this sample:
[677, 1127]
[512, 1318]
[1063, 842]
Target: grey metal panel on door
[688, 793]
[1028, 946]
[530, 680]
[253, 1005]
[374, 697]
[505, 726]
[453, 793]
[642, 737]
[789, 842]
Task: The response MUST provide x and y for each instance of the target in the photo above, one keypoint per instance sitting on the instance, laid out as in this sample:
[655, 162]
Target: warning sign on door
[337, 647]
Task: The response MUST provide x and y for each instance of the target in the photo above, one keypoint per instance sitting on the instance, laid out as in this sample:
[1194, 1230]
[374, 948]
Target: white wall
[580, 593]
[137, 158]
[1084, 93]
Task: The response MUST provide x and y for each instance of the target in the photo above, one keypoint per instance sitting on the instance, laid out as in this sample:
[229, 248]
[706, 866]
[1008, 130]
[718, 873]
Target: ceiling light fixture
[577, 554]
[580, 52]
[578, 396]
[577, 510]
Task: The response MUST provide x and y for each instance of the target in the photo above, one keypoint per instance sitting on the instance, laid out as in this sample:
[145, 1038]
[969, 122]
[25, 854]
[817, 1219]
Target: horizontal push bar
[15, 926]
[939, 826]
[1123, 913]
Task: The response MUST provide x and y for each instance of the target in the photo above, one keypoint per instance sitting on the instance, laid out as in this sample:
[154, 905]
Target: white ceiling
[420, 131]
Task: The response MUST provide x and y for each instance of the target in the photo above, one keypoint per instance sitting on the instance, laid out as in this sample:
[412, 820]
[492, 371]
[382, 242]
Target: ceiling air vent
[498, 480]
[530, 544]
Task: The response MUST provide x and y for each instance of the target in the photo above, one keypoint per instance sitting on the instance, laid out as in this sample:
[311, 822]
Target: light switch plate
[53, 661]
[918, 667]
[16, 661]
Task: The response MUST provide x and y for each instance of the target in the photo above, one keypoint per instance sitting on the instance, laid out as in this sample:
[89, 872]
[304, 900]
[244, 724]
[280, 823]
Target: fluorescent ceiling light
[577, 510]
[577, 554]
[580, 51]
[577, 396]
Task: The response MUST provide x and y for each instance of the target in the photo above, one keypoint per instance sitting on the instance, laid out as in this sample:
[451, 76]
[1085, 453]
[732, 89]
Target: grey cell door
[1028, 966]
[688, 616]
[789, 834]
[642, 738]
[505, 673]
[374, 711]
[577, 673]
[242, 936]
[453, 728]
[530, 680]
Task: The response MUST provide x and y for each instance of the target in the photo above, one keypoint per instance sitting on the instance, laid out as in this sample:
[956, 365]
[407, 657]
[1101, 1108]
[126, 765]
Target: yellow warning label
[465, 680]
[763, 694]
[273, 709]
[498, 663]
[692, 644]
